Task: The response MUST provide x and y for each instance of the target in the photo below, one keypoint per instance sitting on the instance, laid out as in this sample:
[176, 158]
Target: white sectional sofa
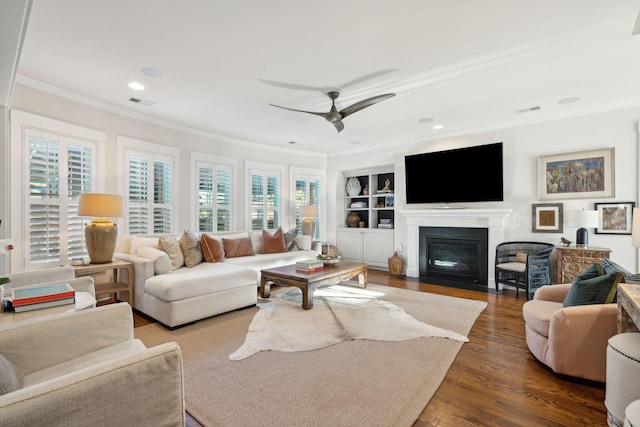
[187, 294]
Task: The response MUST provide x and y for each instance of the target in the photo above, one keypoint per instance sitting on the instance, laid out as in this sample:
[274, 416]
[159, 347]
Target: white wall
[522, 146]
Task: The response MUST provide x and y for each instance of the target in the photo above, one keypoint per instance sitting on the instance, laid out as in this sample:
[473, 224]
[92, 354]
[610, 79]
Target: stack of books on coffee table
[42, 296]
[309, 265]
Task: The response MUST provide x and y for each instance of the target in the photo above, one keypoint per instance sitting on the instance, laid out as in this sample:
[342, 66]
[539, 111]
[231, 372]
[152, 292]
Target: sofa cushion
[190, 246]
[203, 279]
[290, 238]
[595, 290]
[141, 242]
[261, 261]
[538, 313]
[272, 244]
[237, 247]
[521, 257]
[518, 267]
[161, 260]
[11, 378]
[211, 248]
[173, 249]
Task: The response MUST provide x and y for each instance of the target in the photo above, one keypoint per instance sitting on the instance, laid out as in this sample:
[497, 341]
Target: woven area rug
[351, 383]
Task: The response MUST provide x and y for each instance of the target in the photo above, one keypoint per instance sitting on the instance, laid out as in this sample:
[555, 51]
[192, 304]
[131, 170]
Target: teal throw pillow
[594, 270]
[594, 290]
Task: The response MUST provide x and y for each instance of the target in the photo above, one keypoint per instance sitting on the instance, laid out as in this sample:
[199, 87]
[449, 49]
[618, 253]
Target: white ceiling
[467, 64]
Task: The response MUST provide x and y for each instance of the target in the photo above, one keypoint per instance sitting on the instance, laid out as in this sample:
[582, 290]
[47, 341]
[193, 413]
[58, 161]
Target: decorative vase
[396, 264]
[353, 219]
[353, 186]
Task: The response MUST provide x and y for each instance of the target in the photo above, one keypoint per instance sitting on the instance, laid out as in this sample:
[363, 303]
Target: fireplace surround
[490, 219]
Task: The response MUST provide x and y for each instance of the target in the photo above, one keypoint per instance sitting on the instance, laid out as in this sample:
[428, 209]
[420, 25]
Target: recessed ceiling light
[292, 143]
[438, 127]
[136, 86]
[151, 72]
[426, 120]
[569, 100]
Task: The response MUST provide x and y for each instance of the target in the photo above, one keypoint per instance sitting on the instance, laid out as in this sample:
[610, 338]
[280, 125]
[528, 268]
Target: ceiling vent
[141, 101]
[528, 109]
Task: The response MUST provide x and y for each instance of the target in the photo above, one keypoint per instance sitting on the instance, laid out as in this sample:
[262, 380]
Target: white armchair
[85, 368]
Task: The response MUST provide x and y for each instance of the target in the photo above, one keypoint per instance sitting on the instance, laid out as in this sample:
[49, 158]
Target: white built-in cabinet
[371, 240]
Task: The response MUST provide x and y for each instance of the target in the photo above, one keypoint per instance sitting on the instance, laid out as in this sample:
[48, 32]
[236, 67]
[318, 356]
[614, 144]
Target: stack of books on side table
[40, 296]
[309, 265]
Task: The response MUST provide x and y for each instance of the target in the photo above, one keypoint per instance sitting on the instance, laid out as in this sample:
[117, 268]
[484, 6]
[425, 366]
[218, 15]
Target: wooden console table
[574, 260]
[113, 286]
[628, 307]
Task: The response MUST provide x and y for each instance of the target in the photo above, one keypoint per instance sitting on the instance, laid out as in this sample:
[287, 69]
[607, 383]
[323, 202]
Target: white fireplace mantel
[492, 219]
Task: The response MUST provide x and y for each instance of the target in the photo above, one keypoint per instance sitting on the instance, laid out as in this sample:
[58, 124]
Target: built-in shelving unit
[375, 209]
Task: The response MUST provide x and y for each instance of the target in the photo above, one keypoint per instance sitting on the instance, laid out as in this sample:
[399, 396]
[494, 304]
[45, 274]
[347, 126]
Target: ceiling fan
[334, 116]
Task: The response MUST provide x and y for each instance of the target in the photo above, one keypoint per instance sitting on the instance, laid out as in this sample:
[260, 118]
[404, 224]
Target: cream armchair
[569, 340]
[85, 368]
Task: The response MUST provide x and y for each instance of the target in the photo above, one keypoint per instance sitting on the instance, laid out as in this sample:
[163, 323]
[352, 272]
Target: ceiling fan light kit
[334, 116]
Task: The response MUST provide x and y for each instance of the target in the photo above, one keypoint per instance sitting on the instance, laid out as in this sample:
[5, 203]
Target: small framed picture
[388, 201]
[614, 218]
[546, 218]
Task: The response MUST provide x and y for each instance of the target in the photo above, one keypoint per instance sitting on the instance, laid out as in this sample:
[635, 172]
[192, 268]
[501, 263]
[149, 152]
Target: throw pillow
[290, 238]
[141, 242]
[11, 377]
[595, 290]
[521, 257]
[594, 270]
[172, 248]
[610, 267]
[211, 248]
[237, 247]
[256, 241]
[161, 260]
[273, 244]
[190, 246]
[303, 243]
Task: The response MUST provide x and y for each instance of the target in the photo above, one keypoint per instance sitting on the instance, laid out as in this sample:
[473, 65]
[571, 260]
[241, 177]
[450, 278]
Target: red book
[42, 293]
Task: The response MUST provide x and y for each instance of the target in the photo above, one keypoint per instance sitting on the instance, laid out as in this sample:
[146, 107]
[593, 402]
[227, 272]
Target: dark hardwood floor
[494, 380]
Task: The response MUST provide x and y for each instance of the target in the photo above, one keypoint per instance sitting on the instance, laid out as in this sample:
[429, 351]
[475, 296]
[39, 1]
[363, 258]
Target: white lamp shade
[100, 205]
[635, 228]
[584, 219]
[308, 211]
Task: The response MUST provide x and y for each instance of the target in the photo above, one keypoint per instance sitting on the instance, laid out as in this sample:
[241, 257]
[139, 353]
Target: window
[59, 162]
[150, 201]
[307, 191]
[265, 189]
[214, 178]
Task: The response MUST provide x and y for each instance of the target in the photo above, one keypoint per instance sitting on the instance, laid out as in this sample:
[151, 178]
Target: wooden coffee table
[287, 275]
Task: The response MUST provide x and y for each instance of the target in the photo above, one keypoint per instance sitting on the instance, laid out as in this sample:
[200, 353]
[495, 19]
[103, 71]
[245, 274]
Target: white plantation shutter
[265, 199]
[214, 197]
[60, 168]
[150, 193]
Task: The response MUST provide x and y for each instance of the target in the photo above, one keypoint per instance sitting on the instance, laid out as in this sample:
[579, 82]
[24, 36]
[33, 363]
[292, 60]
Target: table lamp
[583, 219]
[308, 212]
[101, 233]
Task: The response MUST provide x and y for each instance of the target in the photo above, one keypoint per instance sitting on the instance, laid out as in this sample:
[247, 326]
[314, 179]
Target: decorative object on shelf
[308, 212]
[101, 233]
[388, 201]
[361, 224]
[366, 190]
[614, 218]
[387, 186]
[353, 186]
[565, 242]
[380, 205]
[579, 175]
[353, 219]
[359, 205]
[583, 219]
[396, 264]
[546, 218]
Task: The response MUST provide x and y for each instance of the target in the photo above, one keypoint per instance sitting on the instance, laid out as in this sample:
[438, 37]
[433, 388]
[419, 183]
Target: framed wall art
[579, 175]
[614, 218]
[546, 218]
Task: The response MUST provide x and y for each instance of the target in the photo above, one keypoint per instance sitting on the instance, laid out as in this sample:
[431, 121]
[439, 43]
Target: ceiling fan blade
[364, 104]
[339, 125]
[302, 111]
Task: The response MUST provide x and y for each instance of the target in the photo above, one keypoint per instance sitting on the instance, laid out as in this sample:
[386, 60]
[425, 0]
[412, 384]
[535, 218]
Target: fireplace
[455, 256]
[490, 219]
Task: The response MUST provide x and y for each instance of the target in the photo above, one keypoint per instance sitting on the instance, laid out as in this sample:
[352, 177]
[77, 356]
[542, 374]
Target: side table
[113, 286]
[574, 260]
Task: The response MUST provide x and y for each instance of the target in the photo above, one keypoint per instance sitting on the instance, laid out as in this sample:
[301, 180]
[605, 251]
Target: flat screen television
[472, 174]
